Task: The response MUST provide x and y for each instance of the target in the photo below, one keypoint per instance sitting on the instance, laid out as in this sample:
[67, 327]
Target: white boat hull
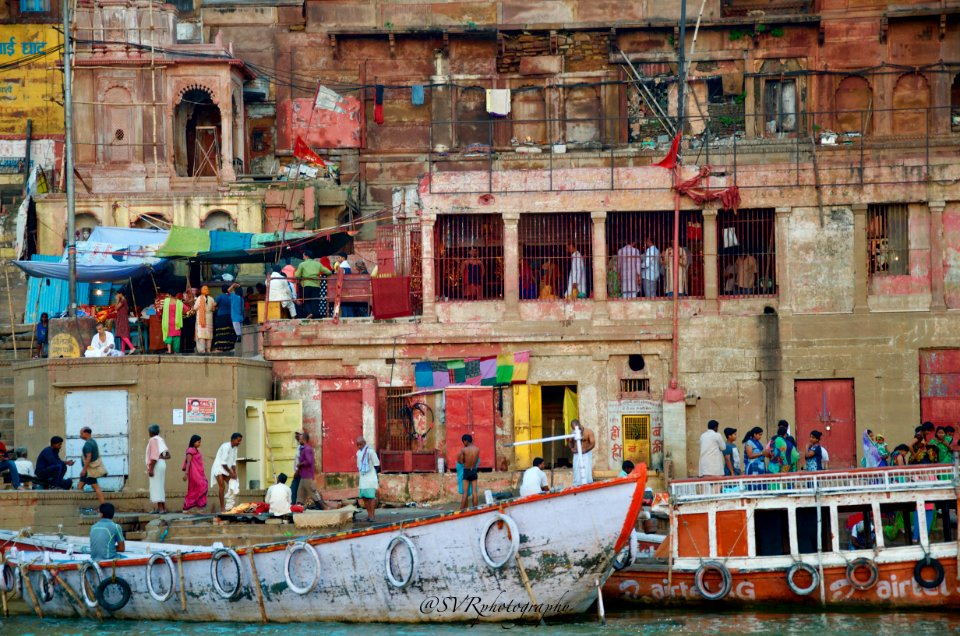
[566, 545]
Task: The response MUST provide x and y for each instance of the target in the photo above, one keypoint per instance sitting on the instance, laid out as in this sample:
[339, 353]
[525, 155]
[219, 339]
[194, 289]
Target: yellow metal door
[636, 438]
[268, 438]
[527, 423]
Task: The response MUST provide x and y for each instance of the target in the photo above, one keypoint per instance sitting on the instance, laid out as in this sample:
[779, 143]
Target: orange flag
[303, 152]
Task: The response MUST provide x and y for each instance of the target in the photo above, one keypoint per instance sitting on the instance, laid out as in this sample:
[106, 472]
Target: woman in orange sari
[204, 307]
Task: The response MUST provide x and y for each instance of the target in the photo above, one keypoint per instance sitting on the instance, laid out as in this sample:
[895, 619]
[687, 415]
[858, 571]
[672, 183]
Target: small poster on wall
[201, 410]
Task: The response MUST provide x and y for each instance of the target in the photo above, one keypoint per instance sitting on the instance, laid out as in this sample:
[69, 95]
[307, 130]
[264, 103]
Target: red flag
[670, 161]
[303, 152]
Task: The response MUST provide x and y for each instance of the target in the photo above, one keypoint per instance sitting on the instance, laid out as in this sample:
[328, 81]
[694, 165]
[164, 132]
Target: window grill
[888, 245]
[556, 252]
[468, 257]
[397, 435]
[399, 253]
[640, 254]
[636, 438]
[634, 385]
[747, 253]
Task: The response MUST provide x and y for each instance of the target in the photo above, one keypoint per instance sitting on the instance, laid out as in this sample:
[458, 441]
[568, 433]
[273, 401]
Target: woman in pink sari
[195, 476]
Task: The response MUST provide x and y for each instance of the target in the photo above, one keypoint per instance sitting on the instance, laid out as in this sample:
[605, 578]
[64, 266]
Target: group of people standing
[930, 445]
[633, 273]
[719, 455]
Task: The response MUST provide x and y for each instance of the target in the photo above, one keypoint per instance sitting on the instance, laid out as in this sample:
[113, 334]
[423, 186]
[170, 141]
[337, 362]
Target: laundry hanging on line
[416, 94]
[378, 105]
[498, 101]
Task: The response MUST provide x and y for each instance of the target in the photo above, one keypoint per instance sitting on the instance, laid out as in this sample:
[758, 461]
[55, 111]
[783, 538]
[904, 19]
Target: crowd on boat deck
[720, 456]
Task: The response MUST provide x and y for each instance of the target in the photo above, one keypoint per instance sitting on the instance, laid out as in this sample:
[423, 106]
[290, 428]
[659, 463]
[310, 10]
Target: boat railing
[937, 476]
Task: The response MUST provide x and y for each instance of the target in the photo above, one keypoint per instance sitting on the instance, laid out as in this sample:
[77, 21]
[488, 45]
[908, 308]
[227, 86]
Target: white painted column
[427, 224]
[675, 437]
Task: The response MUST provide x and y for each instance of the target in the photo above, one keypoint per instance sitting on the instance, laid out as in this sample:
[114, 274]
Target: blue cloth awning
[85, 273]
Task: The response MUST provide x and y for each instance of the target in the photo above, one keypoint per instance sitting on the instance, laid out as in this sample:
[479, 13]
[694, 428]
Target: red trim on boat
[640, 474]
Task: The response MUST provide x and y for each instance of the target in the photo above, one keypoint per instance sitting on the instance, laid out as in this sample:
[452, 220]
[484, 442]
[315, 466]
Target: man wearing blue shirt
[106, 537]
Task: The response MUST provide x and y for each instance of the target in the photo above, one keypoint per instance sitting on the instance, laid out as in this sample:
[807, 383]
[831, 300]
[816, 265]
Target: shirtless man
[587, 442]
[469, 456]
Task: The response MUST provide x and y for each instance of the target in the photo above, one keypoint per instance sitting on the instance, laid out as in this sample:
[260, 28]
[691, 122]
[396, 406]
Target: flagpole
[68, 164]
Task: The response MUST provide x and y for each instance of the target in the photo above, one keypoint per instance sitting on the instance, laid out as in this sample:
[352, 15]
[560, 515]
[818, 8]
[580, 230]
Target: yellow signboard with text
[31, 84]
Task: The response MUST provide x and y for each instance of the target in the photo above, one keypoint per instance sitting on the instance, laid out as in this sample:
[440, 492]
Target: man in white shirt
[650, 269]
[628, 267]
[367, 464]
[712, 446]
[278, 497]
[24, 465]
[578, 272]
[534, 480]
[224, 467]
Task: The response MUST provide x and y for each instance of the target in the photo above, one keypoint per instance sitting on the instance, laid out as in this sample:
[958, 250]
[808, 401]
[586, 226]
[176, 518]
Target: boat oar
[69, 590]
[526, 585]
[183, 591]
[29, 586]
[256, 581]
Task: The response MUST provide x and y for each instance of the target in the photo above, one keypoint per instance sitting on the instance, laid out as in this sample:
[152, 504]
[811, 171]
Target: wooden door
[828, 406]
[940, 386]
[470, 411]
[340, 426]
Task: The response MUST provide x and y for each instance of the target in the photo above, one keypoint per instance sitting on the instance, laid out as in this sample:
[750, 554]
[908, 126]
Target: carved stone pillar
[599, 247]
[511, 263]
[426, 246]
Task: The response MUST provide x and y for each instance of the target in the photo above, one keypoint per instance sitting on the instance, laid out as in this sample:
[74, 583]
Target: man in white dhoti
[156, 459]
[582, 475]
[102, 344]
[578, 273]
[224, 467]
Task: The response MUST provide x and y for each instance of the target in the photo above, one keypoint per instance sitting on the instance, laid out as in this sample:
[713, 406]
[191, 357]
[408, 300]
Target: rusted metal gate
[470, 411]
[828, 406]
[940, 386]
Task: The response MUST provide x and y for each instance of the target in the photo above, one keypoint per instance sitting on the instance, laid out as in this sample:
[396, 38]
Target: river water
[641, 622]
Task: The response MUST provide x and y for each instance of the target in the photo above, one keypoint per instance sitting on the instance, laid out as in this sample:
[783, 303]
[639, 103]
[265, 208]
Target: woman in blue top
[754, 452]
[41, 335]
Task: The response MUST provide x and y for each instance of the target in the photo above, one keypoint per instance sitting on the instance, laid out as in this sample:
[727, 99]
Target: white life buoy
[90, 598]
[514, 532]
[810, 570]
[726, 582]
[414, 561]
[215, 577]
[862, 563]
[8, 578]
[44, 586]
[291, 550]
[155, 558]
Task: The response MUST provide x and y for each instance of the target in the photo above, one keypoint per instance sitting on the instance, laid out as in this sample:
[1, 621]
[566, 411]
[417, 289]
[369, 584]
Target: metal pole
[68, 162]
[674, 394]
[26, 156]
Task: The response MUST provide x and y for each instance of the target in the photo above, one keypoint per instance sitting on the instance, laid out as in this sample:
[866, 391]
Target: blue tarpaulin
[229, 241]
[53, 293]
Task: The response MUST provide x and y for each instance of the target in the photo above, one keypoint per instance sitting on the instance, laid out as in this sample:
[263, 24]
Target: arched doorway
[118, 133]
[854, 104]
[197, 128]
[911, 100]
[85, 224]
[219, 221]
[582, 115]
[955, 104]
[151, 221]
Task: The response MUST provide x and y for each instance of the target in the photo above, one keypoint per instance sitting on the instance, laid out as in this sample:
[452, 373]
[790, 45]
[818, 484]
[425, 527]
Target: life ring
[296, 547]
[45, 586]
[8, 578]
[622, 560]
[726, 581]
[871, 568]
[120, 586]
[235, 558]
[928, 562]
[514, 540]
[91, 601]
[814, 579]
[414, 561]
[155, 558]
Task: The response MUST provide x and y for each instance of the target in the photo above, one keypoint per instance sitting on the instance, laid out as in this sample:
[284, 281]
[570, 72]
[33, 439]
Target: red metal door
[828, 406]
[470, 411]
[940, 386]
[342, 424]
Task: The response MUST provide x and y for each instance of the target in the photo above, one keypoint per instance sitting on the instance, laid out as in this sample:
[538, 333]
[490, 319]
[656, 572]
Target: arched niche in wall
[197, 133]
[955, 104]
[151, 221]
[854, 105]
[219, 221]
[118, 132]
[85, 223]
[473, 125]
[583, 115]
[528, 111]
[911, 101]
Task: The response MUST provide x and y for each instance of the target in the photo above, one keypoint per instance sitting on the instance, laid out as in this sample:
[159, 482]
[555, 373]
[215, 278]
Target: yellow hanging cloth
[570, 409]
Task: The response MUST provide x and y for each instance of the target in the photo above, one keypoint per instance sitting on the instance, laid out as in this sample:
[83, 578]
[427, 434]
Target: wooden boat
[789, 538]
[542, 555]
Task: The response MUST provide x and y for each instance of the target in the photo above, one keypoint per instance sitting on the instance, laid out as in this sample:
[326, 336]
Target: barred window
[555, 256]
[640, 254]
[747, 253]
[888, 245]
[468, 257]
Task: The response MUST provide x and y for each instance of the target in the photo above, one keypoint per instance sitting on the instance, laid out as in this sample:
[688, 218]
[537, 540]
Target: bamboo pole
[526, 585]
[27, 584]
[3, 562]
[256, 581]
[70, 592]
[602, 613]
[13, 328]
[183, 591]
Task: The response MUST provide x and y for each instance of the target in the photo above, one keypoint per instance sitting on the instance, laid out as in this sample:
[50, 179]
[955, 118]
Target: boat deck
[855, 481]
